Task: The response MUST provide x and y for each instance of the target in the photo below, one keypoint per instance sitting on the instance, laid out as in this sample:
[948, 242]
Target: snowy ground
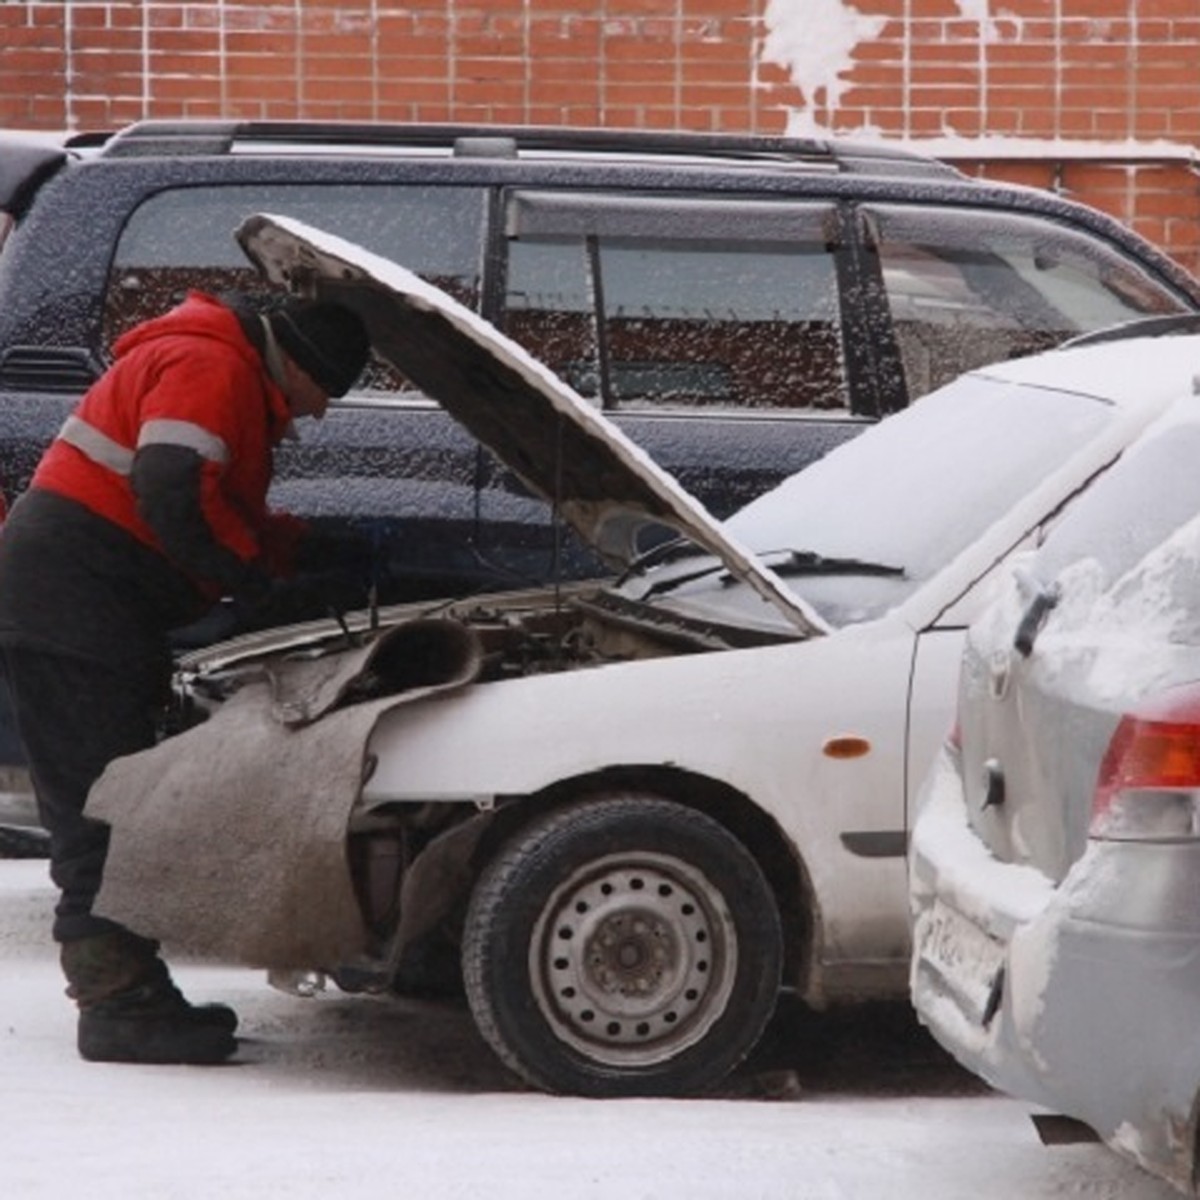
[351, 1096]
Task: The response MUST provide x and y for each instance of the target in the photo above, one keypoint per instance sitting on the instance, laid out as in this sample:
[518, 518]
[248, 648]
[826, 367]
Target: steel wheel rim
[633, 959]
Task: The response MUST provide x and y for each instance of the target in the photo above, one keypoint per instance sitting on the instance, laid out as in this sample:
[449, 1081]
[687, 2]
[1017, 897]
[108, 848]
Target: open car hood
[602, 483]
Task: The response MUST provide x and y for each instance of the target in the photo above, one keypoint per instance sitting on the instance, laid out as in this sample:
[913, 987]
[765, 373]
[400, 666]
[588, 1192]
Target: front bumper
[1080, 997]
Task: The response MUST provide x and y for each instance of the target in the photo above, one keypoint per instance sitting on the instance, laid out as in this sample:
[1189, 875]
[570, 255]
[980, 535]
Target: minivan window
[182, 238]
[969, 287]
[707, 304]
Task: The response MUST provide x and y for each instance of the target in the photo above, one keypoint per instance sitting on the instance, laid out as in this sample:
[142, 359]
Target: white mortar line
[69, 72]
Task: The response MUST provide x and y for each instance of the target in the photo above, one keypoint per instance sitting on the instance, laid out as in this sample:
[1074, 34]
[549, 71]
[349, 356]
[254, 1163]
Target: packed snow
[351, 1096]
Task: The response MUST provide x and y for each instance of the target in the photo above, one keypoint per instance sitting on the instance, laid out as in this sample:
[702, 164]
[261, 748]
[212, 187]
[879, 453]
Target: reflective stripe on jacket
[189, 378]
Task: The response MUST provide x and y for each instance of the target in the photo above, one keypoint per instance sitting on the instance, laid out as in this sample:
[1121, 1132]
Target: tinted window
[183, 238]
[643, 304]
[970, 287]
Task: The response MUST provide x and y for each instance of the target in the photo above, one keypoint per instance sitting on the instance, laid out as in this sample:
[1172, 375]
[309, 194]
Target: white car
[1056, 857]
[633, 810]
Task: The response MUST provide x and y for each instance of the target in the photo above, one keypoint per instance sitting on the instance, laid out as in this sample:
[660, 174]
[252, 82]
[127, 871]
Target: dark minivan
[739, 305]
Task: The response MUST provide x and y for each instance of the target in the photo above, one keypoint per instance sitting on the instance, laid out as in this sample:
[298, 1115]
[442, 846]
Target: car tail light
[1149, 782]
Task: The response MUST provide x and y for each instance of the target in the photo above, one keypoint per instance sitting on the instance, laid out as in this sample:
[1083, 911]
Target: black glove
[343, 551]
[287, 602]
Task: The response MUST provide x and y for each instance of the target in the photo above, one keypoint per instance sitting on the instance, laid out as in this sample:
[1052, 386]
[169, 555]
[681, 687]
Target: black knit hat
[327, 341]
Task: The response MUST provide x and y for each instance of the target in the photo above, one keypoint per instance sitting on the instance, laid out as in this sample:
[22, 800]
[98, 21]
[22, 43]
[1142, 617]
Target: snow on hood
[603, 484]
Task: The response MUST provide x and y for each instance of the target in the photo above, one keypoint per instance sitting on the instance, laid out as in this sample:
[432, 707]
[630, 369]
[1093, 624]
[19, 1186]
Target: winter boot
[131, 1011]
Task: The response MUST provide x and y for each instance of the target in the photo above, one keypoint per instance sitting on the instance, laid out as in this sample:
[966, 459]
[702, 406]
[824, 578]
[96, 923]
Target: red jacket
[191, 378]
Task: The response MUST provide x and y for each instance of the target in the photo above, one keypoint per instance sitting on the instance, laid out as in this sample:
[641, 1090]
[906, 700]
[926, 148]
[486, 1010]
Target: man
[148, 507]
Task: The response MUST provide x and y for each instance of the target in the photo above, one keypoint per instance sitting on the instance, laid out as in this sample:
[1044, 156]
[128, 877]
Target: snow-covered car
[1056, 857]
[632, 810]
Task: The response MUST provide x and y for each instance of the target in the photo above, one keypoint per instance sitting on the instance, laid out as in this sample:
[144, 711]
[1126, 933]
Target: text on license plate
[967, 959]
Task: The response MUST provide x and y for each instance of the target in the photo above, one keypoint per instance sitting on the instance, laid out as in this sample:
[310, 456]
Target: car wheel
[622, 946]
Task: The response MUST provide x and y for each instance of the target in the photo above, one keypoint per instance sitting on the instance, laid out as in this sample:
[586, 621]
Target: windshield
[892, 507]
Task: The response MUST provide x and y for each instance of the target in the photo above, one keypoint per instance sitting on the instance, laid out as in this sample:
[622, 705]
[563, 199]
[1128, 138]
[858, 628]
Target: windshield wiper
[794, 562]
[668, 585]
[664, 552]
[806, 562]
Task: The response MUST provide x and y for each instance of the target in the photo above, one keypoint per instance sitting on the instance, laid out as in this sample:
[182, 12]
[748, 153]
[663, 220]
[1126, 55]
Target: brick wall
[1098, 98]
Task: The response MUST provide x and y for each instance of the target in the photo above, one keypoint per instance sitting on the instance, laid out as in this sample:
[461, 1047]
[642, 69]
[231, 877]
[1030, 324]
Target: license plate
[966, 960]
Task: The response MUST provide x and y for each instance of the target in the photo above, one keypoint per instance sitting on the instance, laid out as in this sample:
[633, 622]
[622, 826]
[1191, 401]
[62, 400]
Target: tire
[622, 946]
[20, 842]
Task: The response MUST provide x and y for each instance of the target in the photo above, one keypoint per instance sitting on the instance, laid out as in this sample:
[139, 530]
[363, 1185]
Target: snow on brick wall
[1098, 98]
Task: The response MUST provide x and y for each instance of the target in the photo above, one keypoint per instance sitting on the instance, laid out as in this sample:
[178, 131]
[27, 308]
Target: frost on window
[967, 288]
[183, 239]
[1151, 496]
[644, 322]
[924, 486]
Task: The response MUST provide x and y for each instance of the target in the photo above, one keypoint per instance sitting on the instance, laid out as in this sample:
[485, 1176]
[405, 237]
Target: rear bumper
[1080, 997]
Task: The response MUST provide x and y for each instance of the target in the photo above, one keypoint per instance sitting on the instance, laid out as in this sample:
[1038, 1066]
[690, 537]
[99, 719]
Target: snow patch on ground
[343, 1096]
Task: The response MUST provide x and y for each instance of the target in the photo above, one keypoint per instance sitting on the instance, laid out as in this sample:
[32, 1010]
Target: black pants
[74, 716]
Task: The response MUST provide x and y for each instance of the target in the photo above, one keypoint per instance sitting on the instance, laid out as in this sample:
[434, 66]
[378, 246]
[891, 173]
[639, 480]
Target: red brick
[403, 96]
[573, 36]
[29, 36]
[642, 8]
[47, 16]
[1097, 69]
[710, 96]
[106, 41]
[718, 8]
[346, 50]
[185, 64]
[661, 95]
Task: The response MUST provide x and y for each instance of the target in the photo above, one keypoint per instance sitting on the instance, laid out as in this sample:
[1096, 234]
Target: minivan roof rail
[161, 137]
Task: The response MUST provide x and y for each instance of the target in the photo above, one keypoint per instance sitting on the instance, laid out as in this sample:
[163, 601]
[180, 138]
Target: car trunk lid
[1030, 745]
[1036, 726]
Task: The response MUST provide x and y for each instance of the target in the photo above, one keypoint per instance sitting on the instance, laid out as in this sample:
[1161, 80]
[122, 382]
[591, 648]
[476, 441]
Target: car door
[709, 328]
